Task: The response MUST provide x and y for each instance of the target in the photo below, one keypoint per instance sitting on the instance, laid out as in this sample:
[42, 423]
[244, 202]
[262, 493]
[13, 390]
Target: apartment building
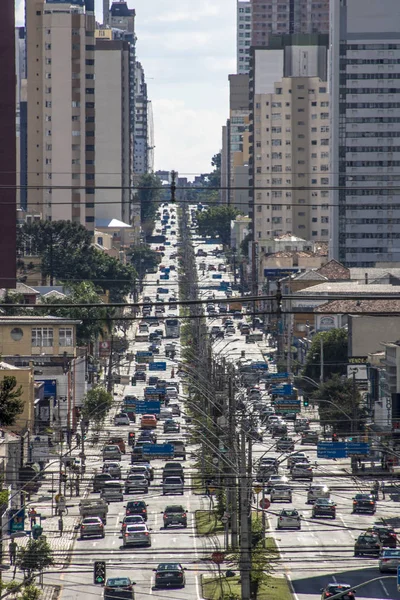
[21, 119]
[120, 16]
[61, 110]
[365, 126]
[143, 140]
[243, 36]
[278, 17]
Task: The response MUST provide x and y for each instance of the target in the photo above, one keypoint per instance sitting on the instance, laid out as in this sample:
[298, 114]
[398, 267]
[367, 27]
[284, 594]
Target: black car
[148, 436]
[364, 503]
[169, 575]
[386, 535]
[336, 588]
[153, 380]
[139, 376]
[367, 543]
[324, 507]
[174, 515]
[98, 481]
[119, 588]
[136, 507]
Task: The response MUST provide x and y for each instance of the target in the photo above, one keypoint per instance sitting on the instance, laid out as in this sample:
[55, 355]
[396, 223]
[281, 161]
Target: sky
[187, 48]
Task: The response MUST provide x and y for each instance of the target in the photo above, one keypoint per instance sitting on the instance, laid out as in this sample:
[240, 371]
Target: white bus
[172, 328]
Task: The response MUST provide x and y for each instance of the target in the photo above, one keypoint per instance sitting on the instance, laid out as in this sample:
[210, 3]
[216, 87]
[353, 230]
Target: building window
[42, 337]
[65, 337]
[16, 334]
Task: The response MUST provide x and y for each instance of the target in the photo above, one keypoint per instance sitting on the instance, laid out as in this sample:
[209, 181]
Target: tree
[96, 403]
[244, 245]
[149, 190]
[334, 354]
[143, 259]
[343, 406]
[216, 222]
[35, 556]
[10, 403]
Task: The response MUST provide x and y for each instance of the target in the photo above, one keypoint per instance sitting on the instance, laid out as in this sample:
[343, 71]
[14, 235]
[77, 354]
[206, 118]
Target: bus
[172, 328]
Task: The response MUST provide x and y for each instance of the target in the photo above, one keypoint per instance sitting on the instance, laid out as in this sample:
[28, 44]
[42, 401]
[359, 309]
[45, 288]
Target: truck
[235, 306]
[94, 507]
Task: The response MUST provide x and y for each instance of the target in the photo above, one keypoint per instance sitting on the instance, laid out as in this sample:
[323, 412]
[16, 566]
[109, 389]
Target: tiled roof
[291, 253]
[311, 275]
[350, 287]
[373, 273]
[334, 271]
[359, 306]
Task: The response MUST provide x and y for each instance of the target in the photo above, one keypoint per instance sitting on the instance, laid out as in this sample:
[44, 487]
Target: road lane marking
[384, 588]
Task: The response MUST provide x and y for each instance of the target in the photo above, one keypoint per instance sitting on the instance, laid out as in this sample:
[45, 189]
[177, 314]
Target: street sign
[217, 276]
[270, 273]
[16, 520]
[158, 366]
[147, 407]
[259, 366]
[278, 375]
[331, 450]
[257, 489]
[224, 520]
[158, 450]
[265, 503]
[218, 557]
[398, 578]
[285, 389]
[357, 448]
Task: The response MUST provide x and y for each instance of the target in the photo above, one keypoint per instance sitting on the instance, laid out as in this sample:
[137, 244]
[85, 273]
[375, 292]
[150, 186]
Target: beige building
[291, 151]
[61, 111]
[25, 381]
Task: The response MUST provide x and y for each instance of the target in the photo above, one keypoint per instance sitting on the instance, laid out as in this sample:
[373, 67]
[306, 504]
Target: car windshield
[289, 513]
[136, 528]
[363, 497]
[323, 501]
[367, 538]
[118, 581]
[88, 521]
[136, 505]
[391, 553]
[169, 567]
[335, 588]
[174, 509]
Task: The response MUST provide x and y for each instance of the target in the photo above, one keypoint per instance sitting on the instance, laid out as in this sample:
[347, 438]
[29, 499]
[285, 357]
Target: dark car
[154, 349]
[324, 507]
[309, 437]
[171, 426]
[173, 469]
[367, 543]
[174, 515]
[153, 380]
[119, 588]
[364, 503]
[148, 436]
[386, 535]
[279, 428]
[139, 376]
[169, 575]
[99, 479]
[336, 588]
[136, 507]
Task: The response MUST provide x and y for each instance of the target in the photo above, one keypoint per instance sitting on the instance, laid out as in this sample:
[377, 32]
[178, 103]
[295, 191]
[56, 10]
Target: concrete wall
[367, 332]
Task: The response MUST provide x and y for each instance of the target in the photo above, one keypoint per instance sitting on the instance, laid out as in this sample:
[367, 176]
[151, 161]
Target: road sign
[218, 557]
[158, 450]
[331, 450]
[257, 489]
[398, 578]
[158, 366]
[224, 520]
[265, 503]
[217, 276]
[147, 407]
[270, 273]
[278, 375]
[357, 448]
[259, 366]
[16, 520]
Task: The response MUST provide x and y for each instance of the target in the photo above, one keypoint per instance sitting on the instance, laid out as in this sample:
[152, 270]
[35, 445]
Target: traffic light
[305, 402]
[334, 437]
[131, 438]
[99, 572]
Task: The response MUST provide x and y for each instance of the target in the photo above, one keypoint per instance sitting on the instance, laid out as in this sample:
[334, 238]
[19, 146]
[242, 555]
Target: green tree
[149, 191]
[35, 556]
[13, 304]
[11, 404]
[96, 404]
[244, 245]
[339, 404]
[216, 222]
[143, 259]
[334, 354]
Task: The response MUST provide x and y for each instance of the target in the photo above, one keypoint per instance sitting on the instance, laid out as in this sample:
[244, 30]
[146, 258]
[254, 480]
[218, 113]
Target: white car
[121, 419]
[281, 492]
[136, 482]
[136, 535]
[289, 519]
[171, 392]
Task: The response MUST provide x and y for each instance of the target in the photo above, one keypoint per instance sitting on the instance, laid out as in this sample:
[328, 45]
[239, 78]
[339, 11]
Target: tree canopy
[334, 354]
[143, 259]
[35, 556]
[216, 222]
[96, 403]
[339, 404]
[11, 404]
[149, 192]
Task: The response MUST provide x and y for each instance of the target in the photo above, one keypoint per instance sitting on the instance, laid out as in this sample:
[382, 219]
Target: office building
[365, 126]
[279, 17]
[243, 36]
[119, 16]
[21, 116]
[61, 110]
[143, 136]
[8, 162]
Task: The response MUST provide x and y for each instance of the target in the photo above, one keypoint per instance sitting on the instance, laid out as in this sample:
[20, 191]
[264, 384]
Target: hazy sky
[187, 48]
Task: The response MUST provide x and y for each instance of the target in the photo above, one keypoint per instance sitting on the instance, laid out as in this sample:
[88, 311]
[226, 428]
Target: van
[113, 491]
[119, 441]
[111, 452]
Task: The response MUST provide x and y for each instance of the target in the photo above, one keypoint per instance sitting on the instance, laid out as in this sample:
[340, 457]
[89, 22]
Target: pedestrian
[12, 549]
[383, 490]
[77, 486]
[32, 515]
[78, 440]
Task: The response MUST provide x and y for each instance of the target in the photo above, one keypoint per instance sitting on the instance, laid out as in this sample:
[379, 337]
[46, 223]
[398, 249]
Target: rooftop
[359, 306]
[349, 287]
[334, 271]
[34, 320]
[112, 224]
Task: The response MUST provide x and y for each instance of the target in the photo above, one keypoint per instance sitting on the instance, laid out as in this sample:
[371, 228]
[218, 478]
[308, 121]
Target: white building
[365, 124]
[243, 36]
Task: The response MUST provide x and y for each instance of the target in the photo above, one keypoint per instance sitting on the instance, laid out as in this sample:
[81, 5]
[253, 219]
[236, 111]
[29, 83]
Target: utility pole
[321, 376]
[245, 539]
[232, 489]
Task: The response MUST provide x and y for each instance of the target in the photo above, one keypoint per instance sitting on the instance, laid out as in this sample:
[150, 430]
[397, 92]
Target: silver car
[138, 483]
[302, 471]
[113, 468]
[389, 559]
[289, 519]
[136, 535]
[91, 526]
[281, 492]
[173, 485]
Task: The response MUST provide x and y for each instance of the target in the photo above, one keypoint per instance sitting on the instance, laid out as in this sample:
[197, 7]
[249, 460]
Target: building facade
[283, 16]
[365, 126]
[61, 110]
[141, 135]
[243, 36]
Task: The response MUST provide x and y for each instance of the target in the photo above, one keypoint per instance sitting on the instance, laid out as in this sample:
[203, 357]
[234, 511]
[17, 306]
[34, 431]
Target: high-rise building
[120, 16]
[243, 35]
[61, 110]
[141, 136]
[21, 116]
[8, 215]
[278, 17]
[365, 124]
[113, 139]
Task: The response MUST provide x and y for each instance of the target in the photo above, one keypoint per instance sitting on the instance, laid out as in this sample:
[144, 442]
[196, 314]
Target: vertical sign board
[398, 578]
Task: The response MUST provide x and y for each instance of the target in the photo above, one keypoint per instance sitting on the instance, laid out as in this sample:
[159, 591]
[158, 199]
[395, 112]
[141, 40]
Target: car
[136, 535]
[136, 483]
[309, 437]
[179, 448]
[324, 507]
[364, 503]
[154, 349]
[316, 491]
[281, 492]
[171, 426]
[136, 507]
[149, 436]
[230, 329]
[91, 526]
[367, 543]
[119, 588]
[121, 419]
[99, 480]
[131, 520]
[285, 444]
[174, 514]
[113, 468]
[289, 519]
[172, 485]
[169, 575]
[296, 457]
[336, 588]
[119, 441]
[111, 452]
[389, 560]
[274, 480]
[139, 376]
[148, 422]
[278, 428]
[387, 535]
[176, 409]
[140, 470]
[148, 465]
[302, 470]
[301, 425]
